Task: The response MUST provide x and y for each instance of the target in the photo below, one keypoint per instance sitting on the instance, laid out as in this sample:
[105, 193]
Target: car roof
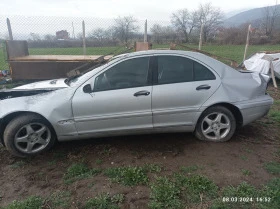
[221, 68]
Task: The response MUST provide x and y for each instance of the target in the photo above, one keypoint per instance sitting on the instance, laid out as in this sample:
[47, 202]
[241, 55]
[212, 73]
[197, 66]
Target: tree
[211, 18]
[99, 34]
[184, 22]
[49, 37]
[270, 15]
[163, 34]
[125, 27]
[35, 37]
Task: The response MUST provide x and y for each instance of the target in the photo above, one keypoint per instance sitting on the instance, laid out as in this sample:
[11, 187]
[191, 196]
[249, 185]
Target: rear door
[181, 86]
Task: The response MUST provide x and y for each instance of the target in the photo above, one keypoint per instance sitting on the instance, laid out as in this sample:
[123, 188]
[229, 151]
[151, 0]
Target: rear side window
[174, 69]
[202, 73]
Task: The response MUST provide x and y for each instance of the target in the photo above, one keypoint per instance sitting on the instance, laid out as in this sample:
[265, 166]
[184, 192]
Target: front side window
[174, 69]
[127, 74]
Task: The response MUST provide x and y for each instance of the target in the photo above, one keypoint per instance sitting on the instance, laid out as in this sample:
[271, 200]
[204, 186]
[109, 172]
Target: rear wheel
[216, 124]
[28, 135]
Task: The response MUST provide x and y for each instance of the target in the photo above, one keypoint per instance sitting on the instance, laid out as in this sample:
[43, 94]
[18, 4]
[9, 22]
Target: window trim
[149, 76]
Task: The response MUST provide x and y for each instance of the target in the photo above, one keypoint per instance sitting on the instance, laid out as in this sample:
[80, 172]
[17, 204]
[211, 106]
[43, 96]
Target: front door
[120, 101]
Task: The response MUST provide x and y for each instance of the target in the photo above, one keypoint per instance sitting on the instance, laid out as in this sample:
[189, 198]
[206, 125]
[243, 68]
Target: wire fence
[64, 36]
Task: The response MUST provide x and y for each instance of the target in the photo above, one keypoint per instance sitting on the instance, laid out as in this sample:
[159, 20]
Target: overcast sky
[141, 9]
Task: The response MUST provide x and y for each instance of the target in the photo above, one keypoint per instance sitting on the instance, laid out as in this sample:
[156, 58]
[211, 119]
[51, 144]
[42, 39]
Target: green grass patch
[153, 168]
[270, 195]
[179, 191]
[196, 188]
[272, 167]
[79, 171]
[18, 164]
[59, 200]
[33, 202]
[104, 201]
[128, 176]
[165, 194]
[246, 172]
[275, 115]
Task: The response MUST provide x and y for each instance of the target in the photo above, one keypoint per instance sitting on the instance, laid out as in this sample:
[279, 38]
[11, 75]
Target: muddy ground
[224, 163]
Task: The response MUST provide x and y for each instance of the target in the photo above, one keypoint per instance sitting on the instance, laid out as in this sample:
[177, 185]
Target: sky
[141, 9]
[55, 15]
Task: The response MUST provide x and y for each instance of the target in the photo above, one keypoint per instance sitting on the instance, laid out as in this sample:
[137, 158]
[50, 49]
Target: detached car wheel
[28, 135]
[216, 124]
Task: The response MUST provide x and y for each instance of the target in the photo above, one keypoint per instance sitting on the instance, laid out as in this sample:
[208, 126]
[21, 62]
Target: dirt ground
[250, 148]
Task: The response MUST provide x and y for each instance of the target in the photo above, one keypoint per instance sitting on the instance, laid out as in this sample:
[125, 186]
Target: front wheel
[216, 124]
[28, 135]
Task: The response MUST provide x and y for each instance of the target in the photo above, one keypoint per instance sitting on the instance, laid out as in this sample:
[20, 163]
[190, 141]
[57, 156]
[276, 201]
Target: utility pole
[73, 31]
[84, 38]
[10, 29]
[145, 33]
[247, 41]
[200, 36]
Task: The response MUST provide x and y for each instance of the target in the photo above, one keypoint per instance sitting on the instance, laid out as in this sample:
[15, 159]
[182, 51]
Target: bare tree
[271, 13]
[35, 37]
[184, 22]
[125, 27]
[163, 34]
[49, 37]
[211, 18]
[99, 34]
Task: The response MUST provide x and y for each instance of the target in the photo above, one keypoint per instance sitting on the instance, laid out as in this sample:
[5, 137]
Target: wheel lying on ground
[28, 135]
[216, 124]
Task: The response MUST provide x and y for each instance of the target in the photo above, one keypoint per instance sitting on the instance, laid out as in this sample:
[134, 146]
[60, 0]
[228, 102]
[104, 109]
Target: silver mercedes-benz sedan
[142, 92]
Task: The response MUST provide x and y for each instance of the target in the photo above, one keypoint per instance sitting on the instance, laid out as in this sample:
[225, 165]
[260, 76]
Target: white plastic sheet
[257, 64]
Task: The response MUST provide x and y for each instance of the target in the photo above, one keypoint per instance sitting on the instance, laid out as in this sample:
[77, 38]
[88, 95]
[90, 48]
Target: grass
[179, 190]
[59, 199]
[272, 167]
[246, 172]
[247, 196]
[165, 194]
[274, 115]
[128, 176]
[18, 164]
[32, 202]
[79, 171]
[234, 52]
[104, 201]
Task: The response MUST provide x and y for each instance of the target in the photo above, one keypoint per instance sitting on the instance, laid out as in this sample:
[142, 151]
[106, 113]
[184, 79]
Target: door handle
[203, 87]
[141, 93]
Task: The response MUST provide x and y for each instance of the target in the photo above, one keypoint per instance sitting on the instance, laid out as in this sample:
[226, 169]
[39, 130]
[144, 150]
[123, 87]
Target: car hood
[49, 84]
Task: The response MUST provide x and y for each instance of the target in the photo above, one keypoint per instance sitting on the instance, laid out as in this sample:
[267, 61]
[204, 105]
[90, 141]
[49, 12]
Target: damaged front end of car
[13, 93]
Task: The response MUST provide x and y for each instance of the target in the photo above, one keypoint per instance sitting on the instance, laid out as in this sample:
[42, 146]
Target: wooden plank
[66, 58]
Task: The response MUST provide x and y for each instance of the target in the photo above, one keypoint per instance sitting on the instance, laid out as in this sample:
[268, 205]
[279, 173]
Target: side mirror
[87, 88]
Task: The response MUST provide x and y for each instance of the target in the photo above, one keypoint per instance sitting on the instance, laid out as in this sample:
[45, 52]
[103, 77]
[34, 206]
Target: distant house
[62, 34]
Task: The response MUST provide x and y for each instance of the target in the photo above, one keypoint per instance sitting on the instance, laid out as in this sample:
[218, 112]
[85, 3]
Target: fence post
[247, 42]
[10, 29]
[84, 39]
[200, 36]
[145, 34]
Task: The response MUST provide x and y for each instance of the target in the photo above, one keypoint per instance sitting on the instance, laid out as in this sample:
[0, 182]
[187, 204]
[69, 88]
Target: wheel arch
[6, 119]
[235, 111]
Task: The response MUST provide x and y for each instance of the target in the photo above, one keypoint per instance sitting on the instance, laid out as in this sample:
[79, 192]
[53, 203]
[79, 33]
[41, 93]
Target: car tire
[216, 124]
[29, 135]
